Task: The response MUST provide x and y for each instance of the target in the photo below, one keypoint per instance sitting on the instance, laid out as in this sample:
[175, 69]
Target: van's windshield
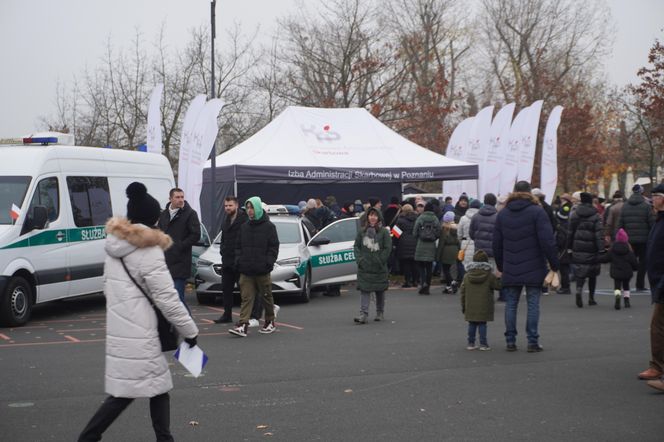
[12, 192]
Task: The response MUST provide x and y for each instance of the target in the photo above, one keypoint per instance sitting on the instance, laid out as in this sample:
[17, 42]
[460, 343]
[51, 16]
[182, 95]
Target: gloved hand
[191, 341]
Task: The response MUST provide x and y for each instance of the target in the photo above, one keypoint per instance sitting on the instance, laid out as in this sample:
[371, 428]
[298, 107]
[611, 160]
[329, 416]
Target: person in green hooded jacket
[477, 303]
[256, 251]
[372, 250]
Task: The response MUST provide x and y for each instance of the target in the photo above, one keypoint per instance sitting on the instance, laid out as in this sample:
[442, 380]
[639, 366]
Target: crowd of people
[510, 245]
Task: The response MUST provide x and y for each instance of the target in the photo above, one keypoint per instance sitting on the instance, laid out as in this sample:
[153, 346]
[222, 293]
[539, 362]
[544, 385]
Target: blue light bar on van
[44, 141]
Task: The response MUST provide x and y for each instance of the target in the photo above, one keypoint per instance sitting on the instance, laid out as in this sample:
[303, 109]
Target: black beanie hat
[475, 204]
[586, 198]
[142, 208]
[490, 199]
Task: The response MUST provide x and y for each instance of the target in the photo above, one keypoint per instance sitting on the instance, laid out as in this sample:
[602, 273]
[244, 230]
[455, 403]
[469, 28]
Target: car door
[332, 258]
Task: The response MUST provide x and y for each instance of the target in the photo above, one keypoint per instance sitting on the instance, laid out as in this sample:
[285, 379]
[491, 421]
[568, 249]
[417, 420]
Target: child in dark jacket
[623, 264]
[477, 303]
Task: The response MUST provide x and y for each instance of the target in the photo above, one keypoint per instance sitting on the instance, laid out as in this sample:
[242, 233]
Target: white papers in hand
[193, 359]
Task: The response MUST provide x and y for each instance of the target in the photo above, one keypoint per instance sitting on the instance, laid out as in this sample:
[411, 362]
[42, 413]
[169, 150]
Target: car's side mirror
[319, 241]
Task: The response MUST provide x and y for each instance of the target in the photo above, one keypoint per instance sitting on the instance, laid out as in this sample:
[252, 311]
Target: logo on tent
[324, 135]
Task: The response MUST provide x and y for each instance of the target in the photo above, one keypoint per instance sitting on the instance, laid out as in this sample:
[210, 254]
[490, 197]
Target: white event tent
[316, 152]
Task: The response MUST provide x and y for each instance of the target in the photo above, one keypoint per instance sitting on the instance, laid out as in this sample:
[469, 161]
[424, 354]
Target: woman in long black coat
[586, 243]
[406, 245]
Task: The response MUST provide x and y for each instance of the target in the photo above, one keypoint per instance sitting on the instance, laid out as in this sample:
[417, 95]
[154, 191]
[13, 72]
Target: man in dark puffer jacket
[481, 227]
[637, 218]
[256, 251]
[522, 245]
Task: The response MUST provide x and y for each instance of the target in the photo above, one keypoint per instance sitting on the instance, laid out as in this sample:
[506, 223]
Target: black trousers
[229, 278]
[409, 270]
[621, 284]
[160, 412]
[640, 252]
[564, 276]
[426, 268]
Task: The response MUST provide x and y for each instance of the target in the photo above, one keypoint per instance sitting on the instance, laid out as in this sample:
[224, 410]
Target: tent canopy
[319, 145]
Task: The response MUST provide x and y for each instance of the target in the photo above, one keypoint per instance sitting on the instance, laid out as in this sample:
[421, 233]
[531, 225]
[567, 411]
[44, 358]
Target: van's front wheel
[16, 303]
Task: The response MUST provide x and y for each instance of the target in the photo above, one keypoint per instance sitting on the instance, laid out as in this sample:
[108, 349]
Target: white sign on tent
[549, 169]
[187, 140]
[478, 142]
[498, 145]
[529, 143]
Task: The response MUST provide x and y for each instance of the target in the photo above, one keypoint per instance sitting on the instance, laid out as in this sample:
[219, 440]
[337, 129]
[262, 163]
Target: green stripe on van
[333, 258]
[60, 236]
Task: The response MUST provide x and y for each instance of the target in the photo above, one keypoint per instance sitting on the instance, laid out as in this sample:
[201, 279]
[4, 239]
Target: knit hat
[621, 236]
[448, 217]
[490, 199]
[142, 208]
[538, 192]
[463, 197]
[522, 186]
[475, 204]
[637, 188]
[428, 207]
[302, 205]
[576, 196]
[566, 197]
[311, 203]
[586, 198]
[480, 256]
[563, 212]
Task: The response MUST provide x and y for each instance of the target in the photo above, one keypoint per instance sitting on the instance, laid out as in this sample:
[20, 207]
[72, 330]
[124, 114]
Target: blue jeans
[513, 294]
[179, 284]
[473, 326]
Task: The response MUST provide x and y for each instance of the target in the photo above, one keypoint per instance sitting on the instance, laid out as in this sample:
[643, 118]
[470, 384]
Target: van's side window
[90, 200]
[47, 195]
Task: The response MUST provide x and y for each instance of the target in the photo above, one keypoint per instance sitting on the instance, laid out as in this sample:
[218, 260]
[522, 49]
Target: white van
[54, 203]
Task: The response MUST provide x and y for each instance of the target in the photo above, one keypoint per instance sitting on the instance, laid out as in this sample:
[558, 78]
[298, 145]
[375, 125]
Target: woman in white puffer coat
[467, 243]
[135, 364]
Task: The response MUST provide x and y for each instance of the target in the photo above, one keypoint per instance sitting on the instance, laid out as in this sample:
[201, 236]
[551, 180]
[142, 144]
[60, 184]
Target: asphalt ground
[322, 377]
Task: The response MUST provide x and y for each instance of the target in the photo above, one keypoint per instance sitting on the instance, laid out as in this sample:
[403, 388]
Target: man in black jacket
[655, 261]
[181, 223]
[637, 218]
[230, 231]
[256, 251]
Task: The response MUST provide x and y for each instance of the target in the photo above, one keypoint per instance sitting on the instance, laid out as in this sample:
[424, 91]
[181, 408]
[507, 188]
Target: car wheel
[16, 303]
[305, 293]
[205, 298]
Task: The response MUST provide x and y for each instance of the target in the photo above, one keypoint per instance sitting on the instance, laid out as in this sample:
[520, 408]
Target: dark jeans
[229, 278]
[160, 412]
[461, 271]
[473, 326]
[426, 268]
[409, 270]
[640, 252]
[657, 338]
[513, 294]
[179, 284]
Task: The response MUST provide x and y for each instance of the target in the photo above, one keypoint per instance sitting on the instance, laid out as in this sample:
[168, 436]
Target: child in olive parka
[477, 302]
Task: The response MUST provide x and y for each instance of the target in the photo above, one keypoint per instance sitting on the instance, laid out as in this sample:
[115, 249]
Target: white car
[305, 262]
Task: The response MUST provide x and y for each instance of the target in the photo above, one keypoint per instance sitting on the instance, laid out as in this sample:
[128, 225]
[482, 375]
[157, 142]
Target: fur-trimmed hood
[520, 200]
[125, 237]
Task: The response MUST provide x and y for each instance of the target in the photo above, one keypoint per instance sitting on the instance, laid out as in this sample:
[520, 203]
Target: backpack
[429, 231]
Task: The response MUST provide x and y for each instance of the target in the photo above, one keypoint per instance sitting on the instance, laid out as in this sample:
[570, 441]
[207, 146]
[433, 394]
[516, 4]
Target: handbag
[552, 279]
[461, 255]
[168, 335]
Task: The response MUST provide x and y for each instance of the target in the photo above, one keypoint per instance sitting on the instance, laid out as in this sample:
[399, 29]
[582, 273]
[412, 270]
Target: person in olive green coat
[448, 250]
[477, 303]
[372, 250]
[425, 250]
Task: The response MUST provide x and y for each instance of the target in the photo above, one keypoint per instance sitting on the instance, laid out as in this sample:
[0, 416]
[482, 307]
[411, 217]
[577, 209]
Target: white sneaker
[254, 322]
[268, 328]
[276, 310]
[484, 348]
[472, 347]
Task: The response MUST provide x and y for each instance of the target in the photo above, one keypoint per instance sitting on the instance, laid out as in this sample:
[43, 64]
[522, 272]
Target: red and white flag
[15, 212]
[396, 231]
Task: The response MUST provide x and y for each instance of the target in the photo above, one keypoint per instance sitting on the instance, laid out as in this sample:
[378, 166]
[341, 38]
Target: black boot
[579, 301]
[591, 299]
[626, 301]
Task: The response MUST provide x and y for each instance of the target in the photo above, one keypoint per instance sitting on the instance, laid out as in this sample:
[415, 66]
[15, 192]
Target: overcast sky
[46, 40]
